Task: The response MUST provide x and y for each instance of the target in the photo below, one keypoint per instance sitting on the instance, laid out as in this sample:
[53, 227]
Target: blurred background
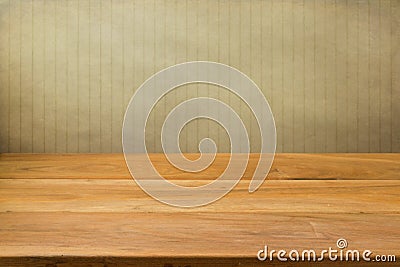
[329, 69]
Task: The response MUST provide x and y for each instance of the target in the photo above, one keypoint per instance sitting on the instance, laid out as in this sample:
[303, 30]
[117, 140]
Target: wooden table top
[59, 209]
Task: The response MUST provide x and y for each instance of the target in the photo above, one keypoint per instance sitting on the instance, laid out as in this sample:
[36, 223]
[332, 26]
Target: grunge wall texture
[330, 70]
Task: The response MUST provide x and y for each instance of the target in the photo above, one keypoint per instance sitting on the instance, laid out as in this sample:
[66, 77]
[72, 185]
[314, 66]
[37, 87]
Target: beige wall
[330, 69]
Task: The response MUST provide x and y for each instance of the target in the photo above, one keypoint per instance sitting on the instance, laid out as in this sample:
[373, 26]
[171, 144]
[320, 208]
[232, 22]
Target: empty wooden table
[86, 210]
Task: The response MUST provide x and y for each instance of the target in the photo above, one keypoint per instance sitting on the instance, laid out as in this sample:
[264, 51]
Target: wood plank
[165, 261]
[286, 166]
[93, 195]
[227, 234]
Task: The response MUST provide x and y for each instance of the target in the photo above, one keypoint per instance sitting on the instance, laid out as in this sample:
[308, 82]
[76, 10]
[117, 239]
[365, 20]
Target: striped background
[330, 70]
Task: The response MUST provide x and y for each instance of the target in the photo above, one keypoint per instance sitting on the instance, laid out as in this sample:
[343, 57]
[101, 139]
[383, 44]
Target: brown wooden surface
[86, 210]
[285, 166]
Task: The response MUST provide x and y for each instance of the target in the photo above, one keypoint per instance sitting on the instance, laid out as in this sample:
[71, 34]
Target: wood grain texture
[84, 210]
[285, 166]
[94, 195]
[330, 70]
[164, 262]
[227, 234]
